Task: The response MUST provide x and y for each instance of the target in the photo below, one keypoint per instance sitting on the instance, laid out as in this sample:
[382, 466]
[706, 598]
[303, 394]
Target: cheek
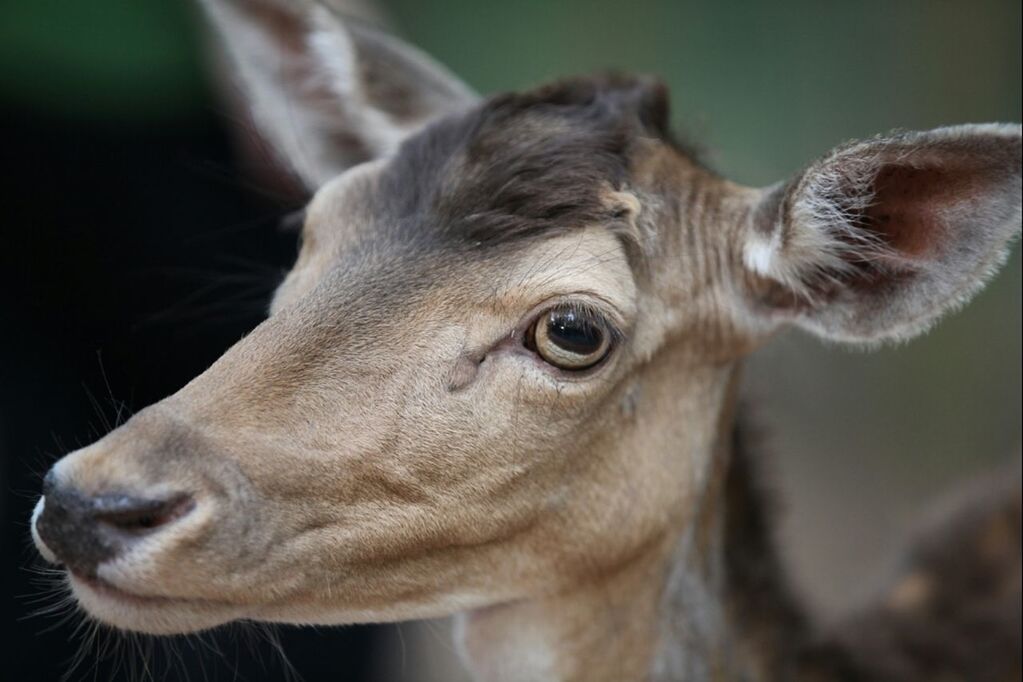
[519, 382]
[516, 409]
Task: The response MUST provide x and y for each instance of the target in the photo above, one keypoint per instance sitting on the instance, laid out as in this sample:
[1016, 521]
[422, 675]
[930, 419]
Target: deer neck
[676, 610]
[607, 629]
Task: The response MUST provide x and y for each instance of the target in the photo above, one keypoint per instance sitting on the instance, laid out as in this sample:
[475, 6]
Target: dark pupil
[573, 333]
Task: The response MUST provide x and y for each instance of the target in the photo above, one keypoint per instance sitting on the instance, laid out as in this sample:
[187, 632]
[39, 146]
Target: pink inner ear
[908, 206]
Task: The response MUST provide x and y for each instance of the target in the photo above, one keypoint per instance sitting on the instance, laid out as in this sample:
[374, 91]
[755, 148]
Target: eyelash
[587, 311]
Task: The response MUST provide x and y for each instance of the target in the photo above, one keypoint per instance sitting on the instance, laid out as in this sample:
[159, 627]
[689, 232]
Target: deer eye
[570, 337]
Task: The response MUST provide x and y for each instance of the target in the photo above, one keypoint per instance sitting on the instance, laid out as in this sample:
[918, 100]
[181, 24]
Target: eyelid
[594, 306]
[591, 313]
[609, 314]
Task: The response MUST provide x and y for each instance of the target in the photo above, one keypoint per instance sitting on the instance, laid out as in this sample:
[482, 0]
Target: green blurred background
[766, 85]
[862, 442]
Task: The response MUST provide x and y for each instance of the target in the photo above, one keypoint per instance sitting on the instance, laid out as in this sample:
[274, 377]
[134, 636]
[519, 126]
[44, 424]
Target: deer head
[502, 364]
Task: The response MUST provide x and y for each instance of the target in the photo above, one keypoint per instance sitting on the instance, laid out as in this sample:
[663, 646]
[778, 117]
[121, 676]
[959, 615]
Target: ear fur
[329, 92]
[879, 238]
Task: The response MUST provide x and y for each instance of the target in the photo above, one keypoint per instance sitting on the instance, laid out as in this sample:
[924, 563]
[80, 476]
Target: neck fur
[707, 600]
[703, 601]
[727, 611]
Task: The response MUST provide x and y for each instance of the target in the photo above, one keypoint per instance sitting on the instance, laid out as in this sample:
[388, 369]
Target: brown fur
[953, 610]
[388, 445]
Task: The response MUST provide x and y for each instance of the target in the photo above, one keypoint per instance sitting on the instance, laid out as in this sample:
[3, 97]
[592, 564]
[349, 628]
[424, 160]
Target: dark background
[140, 240]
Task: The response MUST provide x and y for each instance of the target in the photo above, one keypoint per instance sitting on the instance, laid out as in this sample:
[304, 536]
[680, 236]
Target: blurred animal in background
[501, 382]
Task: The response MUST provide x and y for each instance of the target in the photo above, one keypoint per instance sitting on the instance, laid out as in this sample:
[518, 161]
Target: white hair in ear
[828, 206]
[878, 238]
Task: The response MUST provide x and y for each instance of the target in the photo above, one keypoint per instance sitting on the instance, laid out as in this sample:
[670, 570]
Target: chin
[124, 610]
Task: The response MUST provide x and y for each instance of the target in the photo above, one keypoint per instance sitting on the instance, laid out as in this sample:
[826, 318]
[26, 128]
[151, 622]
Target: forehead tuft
[522, 164]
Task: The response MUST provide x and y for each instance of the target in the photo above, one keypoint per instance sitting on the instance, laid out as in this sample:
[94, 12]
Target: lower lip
[105, 589]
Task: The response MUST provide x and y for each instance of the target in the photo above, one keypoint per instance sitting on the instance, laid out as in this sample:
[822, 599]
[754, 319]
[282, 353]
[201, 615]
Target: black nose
[83, 530]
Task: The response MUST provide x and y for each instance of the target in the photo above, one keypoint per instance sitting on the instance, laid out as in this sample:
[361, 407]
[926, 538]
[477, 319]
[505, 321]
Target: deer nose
[82, 531]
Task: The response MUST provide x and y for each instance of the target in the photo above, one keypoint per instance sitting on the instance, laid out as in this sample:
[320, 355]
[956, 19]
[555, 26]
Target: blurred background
[140, 240]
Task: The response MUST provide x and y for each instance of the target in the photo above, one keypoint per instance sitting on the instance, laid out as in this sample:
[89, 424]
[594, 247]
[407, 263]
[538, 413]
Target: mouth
[151, 614]
[108, 590]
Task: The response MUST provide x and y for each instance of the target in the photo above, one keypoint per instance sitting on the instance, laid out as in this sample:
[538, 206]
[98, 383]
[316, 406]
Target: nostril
[136, 515]
[82, 531]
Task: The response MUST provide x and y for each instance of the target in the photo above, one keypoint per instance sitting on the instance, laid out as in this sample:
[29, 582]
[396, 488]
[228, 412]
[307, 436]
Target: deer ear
[879, 238]
[330, 93]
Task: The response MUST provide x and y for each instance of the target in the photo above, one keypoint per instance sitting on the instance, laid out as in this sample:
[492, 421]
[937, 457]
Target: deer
[501, 383]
